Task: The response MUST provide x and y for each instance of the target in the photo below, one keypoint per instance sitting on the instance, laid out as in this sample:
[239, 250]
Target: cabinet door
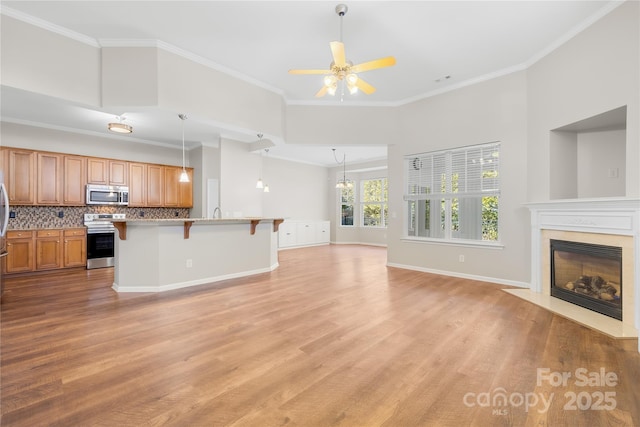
[48, 250]
[19, 257]
[323, 232]
[306, 233]
[97, 171]
[21, 177]
[171, 186]
[287, 234]
[185, 199]
[75, 248]
[137, 184]
[50, 177]
[155, 185]
[118, 172]
[75, 180]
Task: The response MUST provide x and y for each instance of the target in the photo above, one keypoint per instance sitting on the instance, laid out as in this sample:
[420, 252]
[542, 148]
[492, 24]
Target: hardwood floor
[332, 337]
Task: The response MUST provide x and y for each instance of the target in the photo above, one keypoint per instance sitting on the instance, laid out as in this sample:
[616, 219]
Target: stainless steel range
[100, 239]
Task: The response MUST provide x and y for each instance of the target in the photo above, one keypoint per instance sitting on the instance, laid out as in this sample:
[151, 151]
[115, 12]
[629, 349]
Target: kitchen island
[154, 255]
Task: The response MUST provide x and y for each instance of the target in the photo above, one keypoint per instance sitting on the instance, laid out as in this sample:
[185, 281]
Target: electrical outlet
[189, 263]
[176, 213]
[141, 213]
[12, 214]
[61, 214]
[460, 258]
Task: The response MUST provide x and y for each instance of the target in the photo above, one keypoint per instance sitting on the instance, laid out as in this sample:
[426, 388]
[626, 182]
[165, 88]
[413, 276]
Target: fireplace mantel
[616, 219]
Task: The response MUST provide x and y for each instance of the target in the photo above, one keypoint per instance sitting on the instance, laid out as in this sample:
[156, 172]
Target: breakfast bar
[155, 255]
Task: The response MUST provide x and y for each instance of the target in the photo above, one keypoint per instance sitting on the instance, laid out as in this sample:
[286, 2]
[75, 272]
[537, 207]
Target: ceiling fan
[342, 70]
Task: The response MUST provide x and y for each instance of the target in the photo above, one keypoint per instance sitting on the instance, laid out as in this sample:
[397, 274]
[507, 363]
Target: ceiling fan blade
[322, 92]
[365, 87]
[309, 71]
[372, 65]
[337, 49]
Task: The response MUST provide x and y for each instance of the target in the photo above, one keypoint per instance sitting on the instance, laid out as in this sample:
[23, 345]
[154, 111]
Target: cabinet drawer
[75, 232]
[48, 233]
[19, 234]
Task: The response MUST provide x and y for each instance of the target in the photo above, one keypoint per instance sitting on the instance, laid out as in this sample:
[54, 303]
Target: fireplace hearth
[589, 275]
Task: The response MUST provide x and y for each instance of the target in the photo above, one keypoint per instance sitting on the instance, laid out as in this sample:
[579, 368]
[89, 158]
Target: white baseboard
[203, 281]
[493, 280]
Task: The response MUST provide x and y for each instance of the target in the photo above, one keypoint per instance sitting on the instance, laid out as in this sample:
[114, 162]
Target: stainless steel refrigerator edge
[4, 222]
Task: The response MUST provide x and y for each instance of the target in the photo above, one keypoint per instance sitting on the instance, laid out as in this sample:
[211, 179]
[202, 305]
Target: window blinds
[462, 172]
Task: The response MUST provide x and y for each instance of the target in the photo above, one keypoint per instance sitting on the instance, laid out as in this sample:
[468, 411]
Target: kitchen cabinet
[299, 233]
[186, 191]
[48, 249]
[155, 185]
[75, 180]
[21, 177]
[75, 247]
[137, 184]
[177, 194]
[19, 257]
[49, 178]
[171, 187]
[107, 171]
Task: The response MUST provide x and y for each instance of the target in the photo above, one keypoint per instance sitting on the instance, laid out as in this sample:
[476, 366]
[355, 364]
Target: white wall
[116, 147]
[601, 164]
[297, 190]
[596, 71]
[494, 110]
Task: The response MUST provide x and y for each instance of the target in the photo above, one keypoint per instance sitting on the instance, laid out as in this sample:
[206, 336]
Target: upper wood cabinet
[155, 185]
[75, 180]
[56, 179]
[21, 177]
[137, 184]
[107, 172]
[177, 194]
[49, 179]
[186, 191]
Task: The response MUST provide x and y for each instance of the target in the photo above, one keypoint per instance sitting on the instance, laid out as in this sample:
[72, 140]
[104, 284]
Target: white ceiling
[260, 41]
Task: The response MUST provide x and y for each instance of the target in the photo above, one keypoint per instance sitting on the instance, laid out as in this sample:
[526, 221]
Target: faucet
[217, 213]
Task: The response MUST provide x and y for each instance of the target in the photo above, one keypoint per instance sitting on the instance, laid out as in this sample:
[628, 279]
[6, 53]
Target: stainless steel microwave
[107, 195]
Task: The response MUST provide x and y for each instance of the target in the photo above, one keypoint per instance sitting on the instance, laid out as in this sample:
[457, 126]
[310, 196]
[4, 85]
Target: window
[453, 194]
[373, 202]
[347, 200]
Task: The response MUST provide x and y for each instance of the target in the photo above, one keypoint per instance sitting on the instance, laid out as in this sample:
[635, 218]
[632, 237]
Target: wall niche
[588, 157]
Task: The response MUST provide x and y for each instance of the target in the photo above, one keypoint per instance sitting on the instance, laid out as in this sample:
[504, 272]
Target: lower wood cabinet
[48, 249]
[41, 250]
[20, 252]
[75, 248]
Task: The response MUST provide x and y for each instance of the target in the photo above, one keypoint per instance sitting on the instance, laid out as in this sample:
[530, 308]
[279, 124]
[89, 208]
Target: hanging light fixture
[266, 186]
[344, 182]
[184, 176]
[260, 184]
[119, 127]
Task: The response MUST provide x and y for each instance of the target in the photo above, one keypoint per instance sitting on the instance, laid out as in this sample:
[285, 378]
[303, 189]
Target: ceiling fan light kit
[342, 70]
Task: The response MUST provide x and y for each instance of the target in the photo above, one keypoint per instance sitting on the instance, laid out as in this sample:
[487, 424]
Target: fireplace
[589, 275]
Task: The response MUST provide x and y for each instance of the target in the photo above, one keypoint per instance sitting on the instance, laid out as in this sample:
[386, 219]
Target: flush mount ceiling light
[341, 70]
[119, 127]
[184, 176]
[344, 182]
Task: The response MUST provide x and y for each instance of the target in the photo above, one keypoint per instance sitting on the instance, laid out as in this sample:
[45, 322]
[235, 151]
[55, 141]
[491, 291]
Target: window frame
[447, 181]
[384, 203]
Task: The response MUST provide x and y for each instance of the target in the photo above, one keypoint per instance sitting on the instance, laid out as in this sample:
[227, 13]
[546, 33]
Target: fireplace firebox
[588, 275]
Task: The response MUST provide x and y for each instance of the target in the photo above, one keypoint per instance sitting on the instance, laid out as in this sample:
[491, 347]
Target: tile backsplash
[66, 216]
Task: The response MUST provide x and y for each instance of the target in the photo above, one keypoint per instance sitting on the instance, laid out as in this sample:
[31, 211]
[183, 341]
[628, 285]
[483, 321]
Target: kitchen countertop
[62, 227]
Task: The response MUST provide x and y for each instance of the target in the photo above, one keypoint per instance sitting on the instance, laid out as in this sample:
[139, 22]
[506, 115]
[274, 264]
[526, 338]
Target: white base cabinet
[297, 233]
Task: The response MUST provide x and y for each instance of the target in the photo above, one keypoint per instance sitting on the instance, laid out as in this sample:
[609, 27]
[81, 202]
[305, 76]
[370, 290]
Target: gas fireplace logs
[595, 287]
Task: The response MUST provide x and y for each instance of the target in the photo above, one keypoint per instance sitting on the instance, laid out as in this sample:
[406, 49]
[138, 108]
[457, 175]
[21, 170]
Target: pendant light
[184, 176]
[344, 182]
[266, 186]
[260, 184]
